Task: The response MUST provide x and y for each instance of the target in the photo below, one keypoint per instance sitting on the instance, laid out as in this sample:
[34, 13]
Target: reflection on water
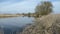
[14, 25]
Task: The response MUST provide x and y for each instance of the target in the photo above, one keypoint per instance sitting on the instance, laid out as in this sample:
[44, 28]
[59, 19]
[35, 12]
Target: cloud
[23, 6]
[56, 6]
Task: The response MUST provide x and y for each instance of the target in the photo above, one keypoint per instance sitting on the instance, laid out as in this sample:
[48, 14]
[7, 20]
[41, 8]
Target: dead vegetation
[49, 24]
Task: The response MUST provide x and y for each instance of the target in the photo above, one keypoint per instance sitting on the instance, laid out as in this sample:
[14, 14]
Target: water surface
[14, 24]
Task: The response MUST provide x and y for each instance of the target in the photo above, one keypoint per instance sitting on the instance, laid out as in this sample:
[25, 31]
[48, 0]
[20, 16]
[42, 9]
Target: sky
[25, 6]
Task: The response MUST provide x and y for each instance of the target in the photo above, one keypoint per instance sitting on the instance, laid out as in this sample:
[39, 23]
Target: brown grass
[49, 24]
[8, 15]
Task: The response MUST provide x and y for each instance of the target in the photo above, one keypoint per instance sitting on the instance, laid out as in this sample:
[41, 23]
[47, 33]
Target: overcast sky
[24, 6]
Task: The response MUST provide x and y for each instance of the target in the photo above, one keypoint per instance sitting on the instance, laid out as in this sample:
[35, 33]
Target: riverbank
[8, 15]
[49, 24]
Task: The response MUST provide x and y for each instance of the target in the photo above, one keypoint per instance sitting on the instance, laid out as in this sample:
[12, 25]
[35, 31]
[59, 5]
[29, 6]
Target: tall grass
[49, 24]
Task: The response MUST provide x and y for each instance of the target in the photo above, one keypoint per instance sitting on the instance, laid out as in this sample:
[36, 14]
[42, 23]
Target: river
[14, 25]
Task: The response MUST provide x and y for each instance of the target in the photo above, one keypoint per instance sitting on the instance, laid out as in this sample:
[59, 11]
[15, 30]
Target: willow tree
[44, 8]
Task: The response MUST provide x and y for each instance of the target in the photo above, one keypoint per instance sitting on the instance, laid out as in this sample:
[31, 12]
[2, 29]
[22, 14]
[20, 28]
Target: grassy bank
[49, 24]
